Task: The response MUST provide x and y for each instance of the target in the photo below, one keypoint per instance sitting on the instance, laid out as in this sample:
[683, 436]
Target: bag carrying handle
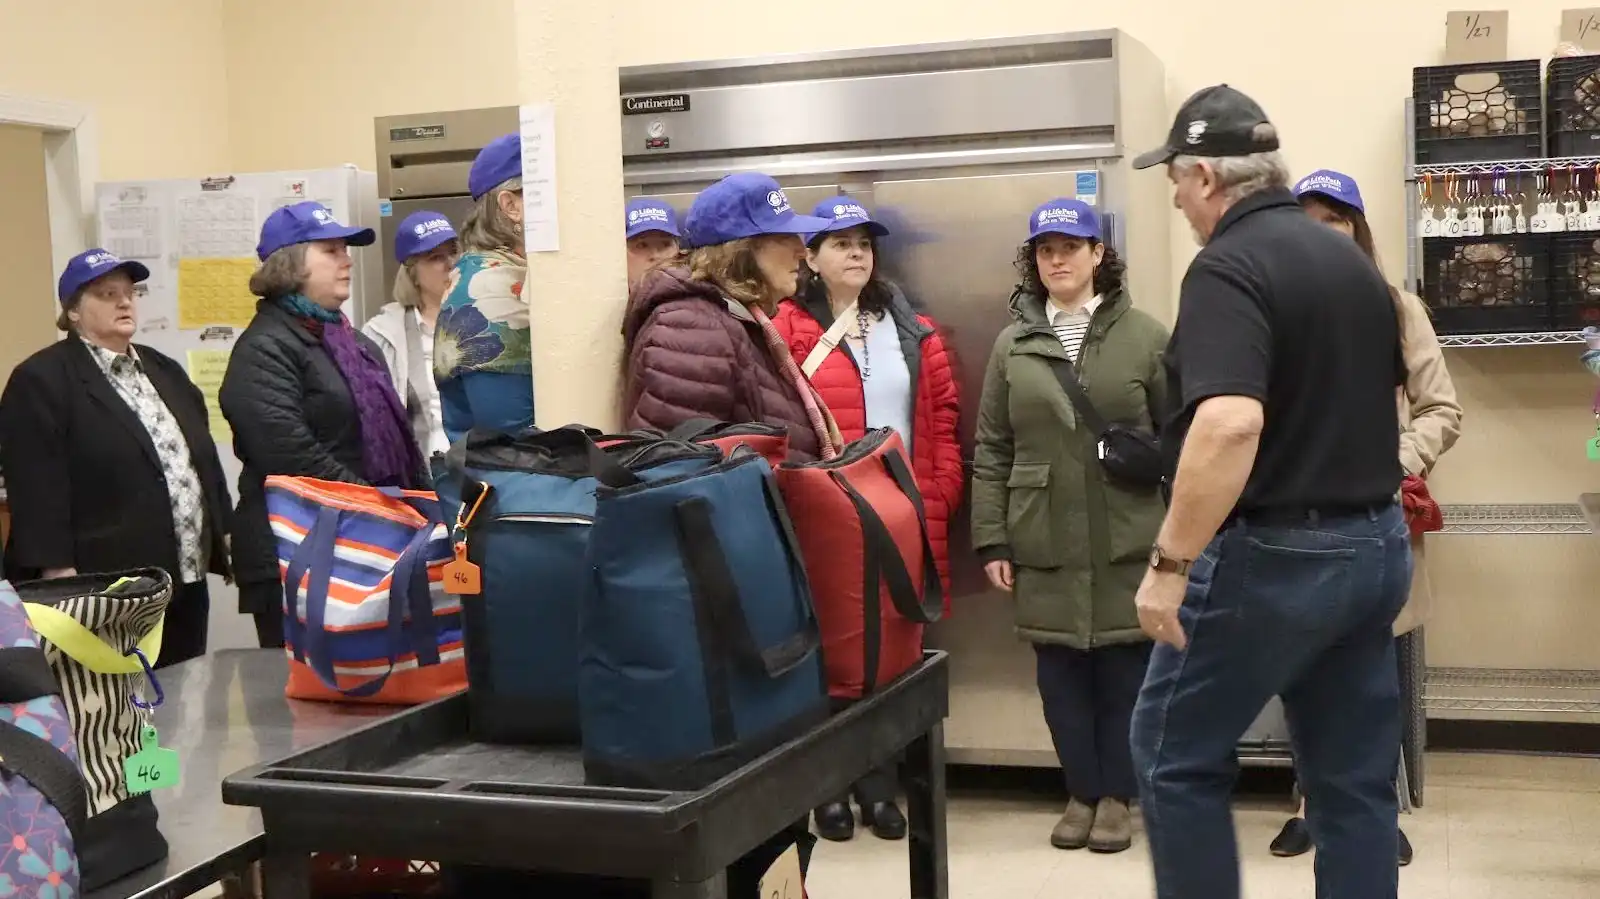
[50, 772]
[315, 555]
[884, 555]
[25, 675]
[711, 579]
[1078, 396]
[694, 428]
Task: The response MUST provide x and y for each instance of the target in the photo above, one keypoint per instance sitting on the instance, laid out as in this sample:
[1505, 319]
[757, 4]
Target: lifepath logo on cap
[849, 210]
[323, 216]
[1197, 130]
[431, 226]
[94, 260]
[1058, 217]
[649, 214]
[1320, 182]
[778, 201]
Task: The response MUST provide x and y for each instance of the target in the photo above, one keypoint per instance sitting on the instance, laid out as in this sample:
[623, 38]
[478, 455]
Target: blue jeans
[1301, 609]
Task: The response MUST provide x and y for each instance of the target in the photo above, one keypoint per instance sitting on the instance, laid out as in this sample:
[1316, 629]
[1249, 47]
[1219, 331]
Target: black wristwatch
[1160, 561]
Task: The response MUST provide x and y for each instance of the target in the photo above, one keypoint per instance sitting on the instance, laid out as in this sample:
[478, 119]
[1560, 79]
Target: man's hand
[1158, 600]
[53, 573]
[1000, 574]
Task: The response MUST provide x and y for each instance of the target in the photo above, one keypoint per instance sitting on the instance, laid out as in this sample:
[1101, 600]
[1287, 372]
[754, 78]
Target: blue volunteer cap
[748, 204]
[304, 222]
[845, 213]
[92, 264]
[649, 214]
[498, 162]
[1063, 215]
[420, 232]
[1333, 185]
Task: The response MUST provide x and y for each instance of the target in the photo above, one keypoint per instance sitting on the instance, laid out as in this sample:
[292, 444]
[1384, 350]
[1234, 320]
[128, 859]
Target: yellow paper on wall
[206, 368]
[215, 292]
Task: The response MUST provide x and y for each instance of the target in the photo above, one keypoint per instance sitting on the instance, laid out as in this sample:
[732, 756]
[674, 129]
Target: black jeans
[267, 601]
[879, 785]
[1088, 697]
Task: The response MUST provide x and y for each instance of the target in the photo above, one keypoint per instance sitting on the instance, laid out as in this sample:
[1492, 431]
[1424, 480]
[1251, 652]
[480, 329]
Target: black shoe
[1405, 850]
[1293, 840]
[836, 822]
[885, 820]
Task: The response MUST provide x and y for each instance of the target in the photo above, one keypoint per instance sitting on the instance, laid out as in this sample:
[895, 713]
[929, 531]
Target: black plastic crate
[1572, 105]
[1487, 285]
[1575, 279]
[1478, 112]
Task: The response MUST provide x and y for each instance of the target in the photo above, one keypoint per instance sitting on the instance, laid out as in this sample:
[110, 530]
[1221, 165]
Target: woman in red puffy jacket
[882, 365]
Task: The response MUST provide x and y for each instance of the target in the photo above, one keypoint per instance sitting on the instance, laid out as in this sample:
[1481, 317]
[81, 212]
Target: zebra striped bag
[90, 627]
[365, 615]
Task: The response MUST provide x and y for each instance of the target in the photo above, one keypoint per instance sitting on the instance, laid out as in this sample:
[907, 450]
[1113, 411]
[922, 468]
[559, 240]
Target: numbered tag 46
[151, 768]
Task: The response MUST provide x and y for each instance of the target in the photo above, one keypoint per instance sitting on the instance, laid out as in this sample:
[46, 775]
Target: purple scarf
[389, 452]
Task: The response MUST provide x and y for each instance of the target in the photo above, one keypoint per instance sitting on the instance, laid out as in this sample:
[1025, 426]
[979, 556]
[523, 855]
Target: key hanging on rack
[1572, 205]
[1427, 218]
[1500, 222]
[1591, 206]
[1543, 209]
[1472, 223]
[1452, 225]
[1519, 224]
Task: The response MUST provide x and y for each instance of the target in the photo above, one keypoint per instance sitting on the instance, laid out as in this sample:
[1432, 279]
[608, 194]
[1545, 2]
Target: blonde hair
[488, 227]
[281, 273]
[407, 292]
[732, 267]
[64, 321]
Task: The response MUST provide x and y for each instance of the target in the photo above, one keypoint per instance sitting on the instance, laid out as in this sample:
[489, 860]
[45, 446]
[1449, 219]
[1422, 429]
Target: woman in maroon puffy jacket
[881, 365]
[697, 339]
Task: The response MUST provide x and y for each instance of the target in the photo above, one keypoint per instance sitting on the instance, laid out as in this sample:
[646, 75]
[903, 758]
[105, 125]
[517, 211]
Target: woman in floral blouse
[481, 357]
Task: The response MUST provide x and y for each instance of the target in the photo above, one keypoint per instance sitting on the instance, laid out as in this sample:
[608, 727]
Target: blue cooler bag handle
[315, 554]
[712, 583]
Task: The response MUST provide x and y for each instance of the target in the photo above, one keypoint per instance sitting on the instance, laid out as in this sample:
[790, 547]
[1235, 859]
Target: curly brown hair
[1110, 275]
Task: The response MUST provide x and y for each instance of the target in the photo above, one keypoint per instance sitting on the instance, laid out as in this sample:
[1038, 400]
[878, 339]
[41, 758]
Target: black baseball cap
[1216, 121]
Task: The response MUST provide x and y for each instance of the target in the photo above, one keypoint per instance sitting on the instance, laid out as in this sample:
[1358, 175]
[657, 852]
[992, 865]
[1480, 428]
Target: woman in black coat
[108, 457]
[306, 394]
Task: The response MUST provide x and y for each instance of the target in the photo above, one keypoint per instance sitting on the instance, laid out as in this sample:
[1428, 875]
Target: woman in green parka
[1068, 542]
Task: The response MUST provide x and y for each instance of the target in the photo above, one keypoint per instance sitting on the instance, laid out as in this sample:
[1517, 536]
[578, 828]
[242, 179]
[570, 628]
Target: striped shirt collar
[1052, 311]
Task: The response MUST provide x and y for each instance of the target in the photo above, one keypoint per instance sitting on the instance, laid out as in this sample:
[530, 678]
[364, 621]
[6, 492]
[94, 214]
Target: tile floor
[1494, 826]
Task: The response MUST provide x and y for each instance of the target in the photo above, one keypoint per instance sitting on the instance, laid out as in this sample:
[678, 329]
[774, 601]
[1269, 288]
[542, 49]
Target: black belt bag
[1128, 455]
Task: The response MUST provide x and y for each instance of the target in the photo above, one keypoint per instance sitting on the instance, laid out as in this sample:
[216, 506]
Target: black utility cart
[415, 786]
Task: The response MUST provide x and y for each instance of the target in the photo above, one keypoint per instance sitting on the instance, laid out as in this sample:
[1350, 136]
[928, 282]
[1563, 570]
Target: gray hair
[281, 273]
[487, 227]
[406, 290]
[1240, 176]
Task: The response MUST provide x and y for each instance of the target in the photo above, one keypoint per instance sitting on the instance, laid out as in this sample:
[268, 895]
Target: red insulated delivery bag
[864, 538]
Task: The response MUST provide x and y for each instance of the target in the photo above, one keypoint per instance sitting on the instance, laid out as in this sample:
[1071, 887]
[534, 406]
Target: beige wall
[307, 77]
[153, 71]
[27, 317]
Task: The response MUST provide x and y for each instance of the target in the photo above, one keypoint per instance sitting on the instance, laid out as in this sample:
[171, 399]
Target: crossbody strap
[1079, 397]
[830, 340]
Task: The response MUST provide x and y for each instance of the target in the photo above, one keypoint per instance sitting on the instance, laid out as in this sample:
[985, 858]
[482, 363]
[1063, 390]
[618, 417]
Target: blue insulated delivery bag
[699, 642]
[522, 506]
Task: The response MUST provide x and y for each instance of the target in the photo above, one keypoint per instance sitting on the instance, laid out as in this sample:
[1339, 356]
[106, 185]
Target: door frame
[71, 164]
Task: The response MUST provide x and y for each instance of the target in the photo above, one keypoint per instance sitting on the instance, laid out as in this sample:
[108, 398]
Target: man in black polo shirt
[1284, 558]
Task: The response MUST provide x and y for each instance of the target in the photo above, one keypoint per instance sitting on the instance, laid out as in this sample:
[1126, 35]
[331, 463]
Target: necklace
[863, 325]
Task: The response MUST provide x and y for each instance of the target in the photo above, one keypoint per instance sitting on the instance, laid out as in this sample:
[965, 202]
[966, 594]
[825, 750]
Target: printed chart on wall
[198, 238]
